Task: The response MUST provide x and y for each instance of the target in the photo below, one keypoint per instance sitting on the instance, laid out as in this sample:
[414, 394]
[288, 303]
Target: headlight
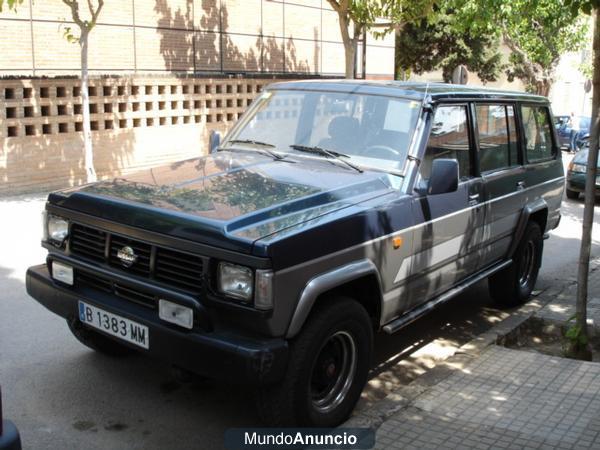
[580, 168]
[235, 281]
[56, 229]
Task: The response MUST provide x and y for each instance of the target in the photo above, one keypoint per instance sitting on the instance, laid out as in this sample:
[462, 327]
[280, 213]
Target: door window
[538, 134]
[449, 138]
[498, 146]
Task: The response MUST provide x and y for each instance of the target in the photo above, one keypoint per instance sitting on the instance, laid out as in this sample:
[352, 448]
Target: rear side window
[538, 133]
[449, 138]
[497, 137]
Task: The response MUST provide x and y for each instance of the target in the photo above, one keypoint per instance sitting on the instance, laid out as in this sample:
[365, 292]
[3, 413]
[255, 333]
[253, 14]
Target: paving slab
[503, 399]
[561, 308]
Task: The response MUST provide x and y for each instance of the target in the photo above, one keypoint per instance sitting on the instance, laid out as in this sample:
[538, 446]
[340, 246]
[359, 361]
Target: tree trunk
[542, 87]
[582, 348]
[349, 45]
[350, 55]
[85, 104]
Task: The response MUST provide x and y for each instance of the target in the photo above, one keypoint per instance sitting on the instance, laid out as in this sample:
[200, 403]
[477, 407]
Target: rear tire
[513, 286]
[573, 195]
[96, 341]
[328, 365]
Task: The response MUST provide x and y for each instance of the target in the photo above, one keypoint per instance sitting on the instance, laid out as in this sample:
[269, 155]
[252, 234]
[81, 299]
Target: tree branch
[75, 12]
[531, 68]
[335, 5]
[390, 25]
[96, 13]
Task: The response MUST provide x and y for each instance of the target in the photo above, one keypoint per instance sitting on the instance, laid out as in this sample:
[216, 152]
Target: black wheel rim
[527, 265]
[333, 371]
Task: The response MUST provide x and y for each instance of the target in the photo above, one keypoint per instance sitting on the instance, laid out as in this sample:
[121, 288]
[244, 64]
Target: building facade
[186, 36]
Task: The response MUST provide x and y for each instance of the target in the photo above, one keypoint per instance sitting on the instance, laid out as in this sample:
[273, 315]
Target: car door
[448, 228]
[501, 166]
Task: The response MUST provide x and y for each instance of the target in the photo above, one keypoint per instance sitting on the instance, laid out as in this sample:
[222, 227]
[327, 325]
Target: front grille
[173, 268]
[105, 285]
[178, 268]
[88, 242]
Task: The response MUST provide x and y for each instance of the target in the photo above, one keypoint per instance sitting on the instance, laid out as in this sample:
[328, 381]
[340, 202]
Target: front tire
[96, 341]
[327, 368]
[573, 195]
[513, 286]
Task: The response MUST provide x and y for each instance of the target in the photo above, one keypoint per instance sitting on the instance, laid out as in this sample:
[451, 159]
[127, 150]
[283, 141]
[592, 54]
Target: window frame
[450, 103]
[518, 131]
[549, 116]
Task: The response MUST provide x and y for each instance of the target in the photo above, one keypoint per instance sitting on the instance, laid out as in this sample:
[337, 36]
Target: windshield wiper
[325, 152]
[250, 141]
[259, 143]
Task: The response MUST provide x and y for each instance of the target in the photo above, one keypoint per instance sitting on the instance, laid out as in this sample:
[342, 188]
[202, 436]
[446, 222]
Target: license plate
[114, 325]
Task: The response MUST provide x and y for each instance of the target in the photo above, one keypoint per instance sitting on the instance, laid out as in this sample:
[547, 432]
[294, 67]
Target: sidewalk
[488, 396]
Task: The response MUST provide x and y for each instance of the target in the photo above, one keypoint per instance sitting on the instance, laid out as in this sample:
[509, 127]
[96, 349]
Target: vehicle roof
[408, 89]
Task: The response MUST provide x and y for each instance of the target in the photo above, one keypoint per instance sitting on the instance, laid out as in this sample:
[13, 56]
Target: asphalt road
[62, 395]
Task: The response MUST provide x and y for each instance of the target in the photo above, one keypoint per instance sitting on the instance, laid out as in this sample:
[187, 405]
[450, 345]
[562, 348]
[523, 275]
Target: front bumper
[216, 354]
[576, 182]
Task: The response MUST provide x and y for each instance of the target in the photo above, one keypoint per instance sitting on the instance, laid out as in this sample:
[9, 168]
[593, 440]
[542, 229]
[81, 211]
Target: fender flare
[325, 282]
[529, 209]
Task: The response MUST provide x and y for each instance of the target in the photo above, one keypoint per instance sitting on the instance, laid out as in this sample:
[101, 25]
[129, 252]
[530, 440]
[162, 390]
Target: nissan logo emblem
[127, 256]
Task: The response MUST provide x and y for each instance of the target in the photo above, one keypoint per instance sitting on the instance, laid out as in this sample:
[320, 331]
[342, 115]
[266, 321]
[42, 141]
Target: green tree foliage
[10, 4]
[441, 42]
[537, 32]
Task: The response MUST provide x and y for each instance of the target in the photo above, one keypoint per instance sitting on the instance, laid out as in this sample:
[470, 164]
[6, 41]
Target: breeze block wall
[137, 122]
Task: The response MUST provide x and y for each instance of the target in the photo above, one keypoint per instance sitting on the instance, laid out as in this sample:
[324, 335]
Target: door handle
[473, 199]
[521, 185]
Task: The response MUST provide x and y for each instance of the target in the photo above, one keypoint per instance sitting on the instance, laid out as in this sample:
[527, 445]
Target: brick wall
[137, 122]
[191, 36]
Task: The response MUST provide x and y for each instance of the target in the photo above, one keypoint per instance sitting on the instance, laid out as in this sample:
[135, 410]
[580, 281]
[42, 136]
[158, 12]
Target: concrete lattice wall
[137, 122]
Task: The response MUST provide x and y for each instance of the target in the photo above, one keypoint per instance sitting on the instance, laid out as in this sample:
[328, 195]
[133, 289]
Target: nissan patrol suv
[331, 211]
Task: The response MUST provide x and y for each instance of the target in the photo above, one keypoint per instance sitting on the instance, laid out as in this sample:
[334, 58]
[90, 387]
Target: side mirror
[214, 140]
[444, 176]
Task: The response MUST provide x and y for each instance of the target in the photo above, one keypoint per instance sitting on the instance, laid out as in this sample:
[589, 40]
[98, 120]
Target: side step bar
[419, 311]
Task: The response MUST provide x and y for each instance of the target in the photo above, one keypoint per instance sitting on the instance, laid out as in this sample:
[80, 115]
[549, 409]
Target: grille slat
[124, 292]
[87, 242]
[177, 269]
[191, 266]
[167, 270]
[135, 296]
[94, 282]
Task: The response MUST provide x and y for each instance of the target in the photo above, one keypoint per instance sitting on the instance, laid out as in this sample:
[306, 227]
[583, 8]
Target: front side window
[538, 133]
[372, 130]
[449, 138]
[498, 146]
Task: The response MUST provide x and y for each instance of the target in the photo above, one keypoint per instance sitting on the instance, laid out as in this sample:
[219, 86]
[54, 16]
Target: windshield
[581, 157]
[367, 130]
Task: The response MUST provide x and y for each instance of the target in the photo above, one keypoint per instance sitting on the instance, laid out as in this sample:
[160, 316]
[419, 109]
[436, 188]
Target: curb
[402, 397]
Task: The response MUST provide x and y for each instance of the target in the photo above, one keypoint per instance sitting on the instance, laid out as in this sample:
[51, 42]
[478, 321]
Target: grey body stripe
[416, 227]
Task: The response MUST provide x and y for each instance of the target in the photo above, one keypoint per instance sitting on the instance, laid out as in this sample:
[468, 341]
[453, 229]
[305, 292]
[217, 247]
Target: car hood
[229, 199]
